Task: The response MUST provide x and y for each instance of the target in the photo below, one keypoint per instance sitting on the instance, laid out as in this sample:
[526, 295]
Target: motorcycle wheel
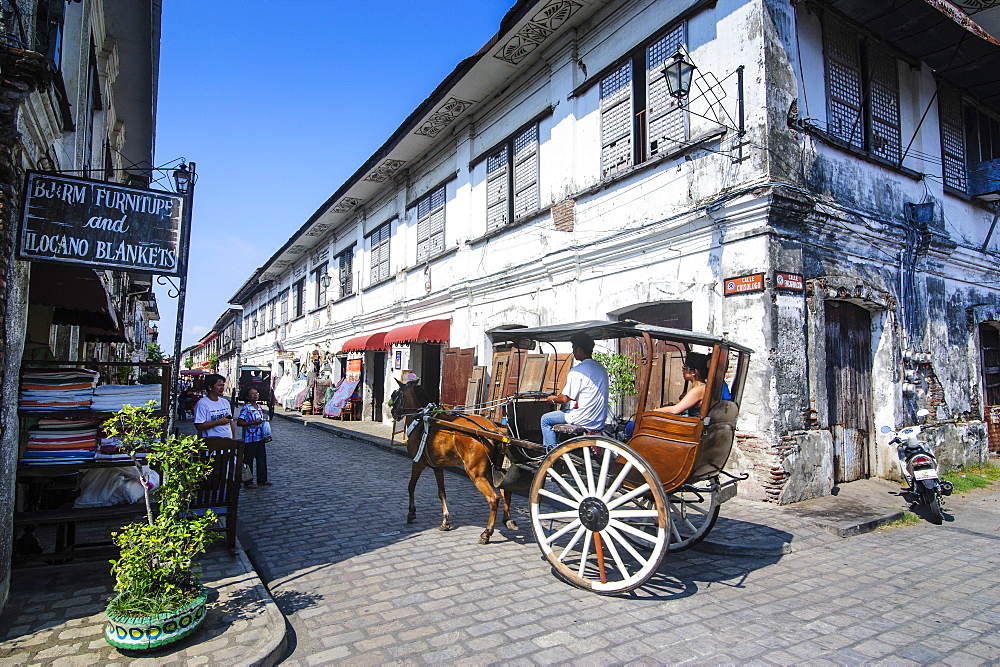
[933, 503]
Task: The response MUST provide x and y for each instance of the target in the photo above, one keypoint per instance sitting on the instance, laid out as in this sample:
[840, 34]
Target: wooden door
[848, 387]
[989, 346]
[456, 370]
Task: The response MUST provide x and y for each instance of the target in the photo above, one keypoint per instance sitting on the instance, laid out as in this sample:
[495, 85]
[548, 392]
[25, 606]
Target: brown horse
[444, 447]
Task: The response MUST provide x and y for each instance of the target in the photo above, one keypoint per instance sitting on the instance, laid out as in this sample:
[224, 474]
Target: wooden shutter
[532, 374]
[430, 225]
[845, 119]
[456, 369]
[380, 254]
[498, 380]
[526, 172]
[346, 271]
[884, 136]
[497, 189]
[665, 118]
[952, 137]
[616, 120]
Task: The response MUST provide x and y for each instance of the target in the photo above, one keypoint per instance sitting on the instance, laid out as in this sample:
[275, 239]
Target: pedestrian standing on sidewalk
[251, 419]
[212, 415]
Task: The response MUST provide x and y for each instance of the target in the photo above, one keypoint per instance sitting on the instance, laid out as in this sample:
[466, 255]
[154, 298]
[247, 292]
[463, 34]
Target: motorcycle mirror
[923, 412]
[886, 429]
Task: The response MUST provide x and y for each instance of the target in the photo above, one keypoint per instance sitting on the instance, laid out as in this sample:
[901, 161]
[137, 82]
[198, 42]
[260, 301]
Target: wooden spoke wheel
[599, 515]
[693, 511]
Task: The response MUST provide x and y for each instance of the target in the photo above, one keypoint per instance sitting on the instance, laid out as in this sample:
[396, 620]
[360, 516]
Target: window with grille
[318, 274]
[430, 225]
[379, 241]
[639, 117]
[345, 272]
[299, 298]
[283, 300]
[862, 85]
[246, 326]
[970, 138]
[512, 193]
[272, 306]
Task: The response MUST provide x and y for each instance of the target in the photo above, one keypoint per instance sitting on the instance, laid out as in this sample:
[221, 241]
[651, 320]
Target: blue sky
[279, 102]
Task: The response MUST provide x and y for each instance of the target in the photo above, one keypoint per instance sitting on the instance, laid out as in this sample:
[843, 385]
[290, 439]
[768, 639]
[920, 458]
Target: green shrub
[155, 572]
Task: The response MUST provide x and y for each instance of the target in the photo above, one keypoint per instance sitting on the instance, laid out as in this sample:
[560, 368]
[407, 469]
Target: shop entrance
[430, 370]
[848, 387]
[378, 385]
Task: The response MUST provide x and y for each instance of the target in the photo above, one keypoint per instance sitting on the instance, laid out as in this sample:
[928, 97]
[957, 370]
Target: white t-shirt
[587, 387]
[208, 411]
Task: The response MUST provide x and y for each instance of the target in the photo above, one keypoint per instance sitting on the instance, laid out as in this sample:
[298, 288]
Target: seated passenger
[586, 392]
[695, 373]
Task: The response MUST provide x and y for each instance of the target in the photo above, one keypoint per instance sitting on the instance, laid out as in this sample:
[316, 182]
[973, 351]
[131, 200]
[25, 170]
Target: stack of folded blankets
[111, 397]
[52, 389]
[61, 441]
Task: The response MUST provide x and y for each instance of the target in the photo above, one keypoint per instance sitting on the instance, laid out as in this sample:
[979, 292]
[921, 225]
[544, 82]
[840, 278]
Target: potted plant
[158, 598]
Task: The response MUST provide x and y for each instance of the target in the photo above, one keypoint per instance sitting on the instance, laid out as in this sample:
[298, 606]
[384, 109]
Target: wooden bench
[220, 492]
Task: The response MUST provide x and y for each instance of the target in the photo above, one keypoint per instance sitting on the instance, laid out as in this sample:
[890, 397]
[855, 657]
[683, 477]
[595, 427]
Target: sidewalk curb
[272, 648]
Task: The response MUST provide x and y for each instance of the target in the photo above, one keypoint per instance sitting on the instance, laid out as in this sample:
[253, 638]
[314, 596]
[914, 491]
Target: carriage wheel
[599, 515]
[693, 511]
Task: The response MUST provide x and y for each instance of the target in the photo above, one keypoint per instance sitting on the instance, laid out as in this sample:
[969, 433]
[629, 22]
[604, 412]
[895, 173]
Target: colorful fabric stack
[111, 397]
[61, 441]
[52, 389]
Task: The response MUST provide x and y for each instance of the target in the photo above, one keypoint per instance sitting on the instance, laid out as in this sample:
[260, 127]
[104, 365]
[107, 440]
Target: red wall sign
[743, 284]
[789, 281]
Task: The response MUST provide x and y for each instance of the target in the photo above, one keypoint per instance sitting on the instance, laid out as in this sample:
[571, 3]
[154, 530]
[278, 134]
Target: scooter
[920, 468]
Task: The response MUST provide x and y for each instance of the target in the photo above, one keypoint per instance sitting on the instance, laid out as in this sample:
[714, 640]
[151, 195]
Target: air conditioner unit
[984, 180]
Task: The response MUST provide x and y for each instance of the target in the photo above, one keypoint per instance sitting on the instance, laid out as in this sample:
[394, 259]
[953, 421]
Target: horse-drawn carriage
[604, 509]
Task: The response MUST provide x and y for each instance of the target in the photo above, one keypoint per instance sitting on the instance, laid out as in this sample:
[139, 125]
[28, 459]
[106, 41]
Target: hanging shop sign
[791, 282]
[353, 370]
[101, 225]
[743, 284]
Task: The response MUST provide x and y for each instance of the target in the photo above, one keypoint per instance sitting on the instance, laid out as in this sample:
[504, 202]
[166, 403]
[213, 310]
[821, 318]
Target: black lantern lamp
[678, 73]
[325, 281]
[182, 178]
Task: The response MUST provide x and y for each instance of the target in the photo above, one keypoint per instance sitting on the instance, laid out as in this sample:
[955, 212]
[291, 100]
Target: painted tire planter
[140, 634]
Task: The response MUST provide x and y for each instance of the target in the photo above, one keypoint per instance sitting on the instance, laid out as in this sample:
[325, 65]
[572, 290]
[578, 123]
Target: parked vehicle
[920, 468]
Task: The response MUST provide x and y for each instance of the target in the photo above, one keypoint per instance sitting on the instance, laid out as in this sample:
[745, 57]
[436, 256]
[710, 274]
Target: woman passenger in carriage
[695, 372]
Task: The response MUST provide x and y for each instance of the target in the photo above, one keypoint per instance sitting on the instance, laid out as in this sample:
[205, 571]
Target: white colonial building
[551, 177]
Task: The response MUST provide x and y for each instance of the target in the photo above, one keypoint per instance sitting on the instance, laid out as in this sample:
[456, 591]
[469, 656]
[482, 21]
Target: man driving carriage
[586, 392]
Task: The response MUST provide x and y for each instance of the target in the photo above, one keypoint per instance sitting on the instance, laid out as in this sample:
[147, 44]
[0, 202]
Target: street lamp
[325, 281]
[678, 73]
[184, 180]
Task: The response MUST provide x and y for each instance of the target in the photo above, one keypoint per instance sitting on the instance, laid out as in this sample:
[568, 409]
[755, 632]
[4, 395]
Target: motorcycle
[920, 468]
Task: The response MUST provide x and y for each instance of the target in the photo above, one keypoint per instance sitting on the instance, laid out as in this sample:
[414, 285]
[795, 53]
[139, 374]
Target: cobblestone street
[358, 584]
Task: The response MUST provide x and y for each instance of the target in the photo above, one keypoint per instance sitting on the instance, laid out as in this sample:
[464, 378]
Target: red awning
[435, 331]
[375, 341]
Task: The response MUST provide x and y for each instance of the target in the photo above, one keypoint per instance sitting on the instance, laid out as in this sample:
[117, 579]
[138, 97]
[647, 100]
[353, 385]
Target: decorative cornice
[347, 204]
[443, 117]
[382, 173]
[537, 30]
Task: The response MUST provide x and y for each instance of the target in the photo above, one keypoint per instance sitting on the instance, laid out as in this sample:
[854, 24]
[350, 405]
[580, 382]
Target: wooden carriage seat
[686, 449]
[716, 440]
[669, 443]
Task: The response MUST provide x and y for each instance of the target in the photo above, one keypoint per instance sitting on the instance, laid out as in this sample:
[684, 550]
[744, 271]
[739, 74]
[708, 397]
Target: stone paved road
[359, 585]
